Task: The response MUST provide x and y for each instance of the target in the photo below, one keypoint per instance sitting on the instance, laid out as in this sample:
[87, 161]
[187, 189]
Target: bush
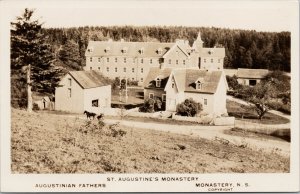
[189, 108]
[232, 82]
[151, 105]
[99, 128]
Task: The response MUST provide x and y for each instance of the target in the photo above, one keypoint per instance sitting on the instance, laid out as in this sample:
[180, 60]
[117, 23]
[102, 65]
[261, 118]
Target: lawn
[240, 112]
[49, 143]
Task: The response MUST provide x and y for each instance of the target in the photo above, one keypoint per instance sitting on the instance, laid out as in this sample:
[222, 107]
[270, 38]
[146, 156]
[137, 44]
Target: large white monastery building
[132, 60]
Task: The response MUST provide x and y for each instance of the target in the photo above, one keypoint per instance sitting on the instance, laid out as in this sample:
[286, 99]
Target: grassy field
[239, 112]
[47, 143]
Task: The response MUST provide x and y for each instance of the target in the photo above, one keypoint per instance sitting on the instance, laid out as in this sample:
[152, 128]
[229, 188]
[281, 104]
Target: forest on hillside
[244, 48]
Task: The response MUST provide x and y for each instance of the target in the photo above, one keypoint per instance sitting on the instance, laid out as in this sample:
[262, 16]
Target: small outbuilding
[43, 102]
[81, 91]
[251, 77]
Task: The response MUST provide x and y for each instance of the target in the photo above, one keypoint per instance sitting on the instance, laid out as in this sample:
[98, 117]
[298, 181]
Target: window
[205, 101]
[204, 60]
[142, 70]
[91, 59]
[173, 84]
[176, 62]
[151, 61]
[158, 82]
[116, 60]
[124, 69]
[91, 68]
[212, 60]
[70, 92]
[159, 51]
[124, 50]
[142, 60]
[116, 69]
[151, 95]
[99, 68]
[183, 62]
[99, 59]
[70, 82]
[142, 79]
[107, 69]
[95, 103]
[170, 61]
[142, 51]
[132, 70]
[163, 98]
[198, 85]
[124, 60]
[107, 59]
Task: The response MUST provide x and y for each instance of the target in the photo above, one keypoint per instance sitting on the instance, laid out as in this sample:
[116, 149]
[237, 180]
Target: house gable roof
[186, 80]
[89, 79]
[133, 49]
[252, 73]
[176, 46]
[212, 52]
[153, 74]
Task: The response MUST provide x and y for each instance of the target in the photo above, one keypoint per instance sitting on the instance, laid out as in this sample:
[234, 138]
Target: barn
[83, 90]
[251, 77]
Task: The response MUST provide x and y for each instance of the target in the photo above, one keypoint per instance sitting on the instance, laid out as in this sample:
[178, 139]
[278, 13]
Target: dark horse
[89, 114]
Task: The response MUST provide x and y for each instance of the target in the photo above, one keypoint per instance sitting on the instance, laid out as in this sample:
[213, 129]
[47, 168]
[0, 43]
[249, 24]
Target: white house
[83, 90]
[205, 86]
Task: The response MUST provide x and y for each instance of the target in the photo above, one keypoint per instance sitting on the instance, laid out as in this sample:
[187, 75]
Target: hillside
[49, 143]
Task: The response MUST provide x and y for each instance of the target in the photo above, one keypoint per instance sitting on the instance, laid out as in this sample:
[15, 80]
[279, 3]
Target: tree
[189, 108]
[260, 97]
[30, 54]
[232, 82]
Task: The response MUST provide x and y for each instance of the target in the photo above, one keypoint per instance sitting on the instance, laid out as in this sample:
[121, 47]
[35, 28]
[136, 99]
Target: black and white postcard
[149, 96]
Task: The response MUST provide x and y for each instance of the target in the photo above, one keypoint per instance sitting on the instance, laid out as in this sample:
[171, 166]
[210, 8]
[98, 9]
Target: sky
[275, 15]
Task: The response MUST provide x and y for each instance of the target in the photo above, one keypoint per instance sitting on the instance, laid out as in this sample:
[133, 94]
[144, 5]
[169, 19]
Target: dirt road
[211, 133]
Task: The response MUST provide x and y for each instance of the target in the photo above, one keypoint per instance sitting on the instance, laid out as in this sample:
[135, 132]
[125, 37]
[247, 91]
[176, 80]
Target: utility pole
[120, 92]
[126, 92]
[29, 97]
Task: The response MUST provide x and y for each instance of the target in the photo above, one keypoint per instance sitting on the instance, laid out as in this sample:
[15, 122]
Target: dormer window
[159, 51]
[158, 82]
[124, 50]
[142, 51]
[106, 49]
[199, 85]
[90, 49]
